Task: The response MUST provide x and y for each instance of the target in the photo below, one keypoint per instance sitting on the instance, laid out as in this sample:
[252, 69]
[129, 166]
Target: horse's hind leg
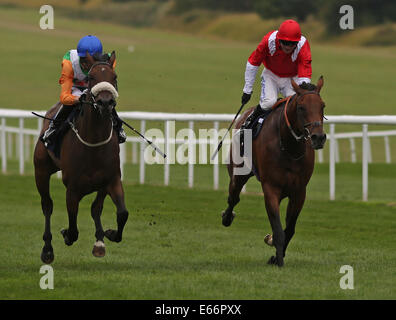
[296, 203]
[236, 184]
[116, 193]
[96, 211]
[70, 235]
[272, 200]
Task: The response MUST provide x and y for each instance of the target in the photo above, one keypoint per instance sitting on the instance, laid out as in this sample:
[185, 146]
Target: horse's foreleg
[272, 199]
[294, 207]
[236, 184]
[96, 211]
[42, 183]
[116, 192]
[72, 201]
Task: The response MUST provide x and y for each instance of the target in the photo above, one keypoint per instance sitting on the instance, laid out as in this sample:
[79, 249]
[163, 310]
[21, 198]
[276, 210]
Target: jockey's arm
[253, 64]
[66, 82]
[304, 69]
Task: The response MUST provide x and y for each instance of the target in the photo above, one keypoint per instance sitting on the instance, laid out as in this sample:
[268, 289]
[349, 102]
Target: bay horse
[283, 157]
[89, 161]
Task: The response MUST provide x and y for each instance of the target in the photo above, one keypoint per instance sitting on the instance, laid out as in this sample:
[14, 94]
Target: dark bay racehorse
[283, 156]
[89, 161]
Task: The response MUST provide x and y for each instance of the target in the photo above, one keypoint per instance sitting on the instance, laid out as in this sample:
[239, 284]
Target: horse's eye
[300, 108]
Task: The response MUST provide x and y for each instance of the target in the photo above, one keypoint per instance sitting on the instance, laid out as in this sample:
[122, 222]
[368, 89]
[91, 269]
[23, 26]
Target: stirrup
[46, 138]
[121, 136]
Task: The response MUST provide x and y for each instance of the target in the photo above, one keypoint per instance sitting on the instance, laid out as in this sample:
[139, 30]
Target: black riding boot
[51, 133]
[117, 124]
[253, 116]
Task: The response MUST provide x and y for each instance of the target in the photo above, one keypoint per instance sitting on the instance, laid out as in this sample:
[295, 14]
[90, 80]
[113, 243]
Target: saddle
[257, 124]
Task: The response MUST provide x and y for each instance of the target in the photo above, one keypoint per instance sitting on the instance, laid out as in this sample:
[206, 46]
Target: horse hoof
[99, 250]
[274, 261]
[112, 235]
[65, 235]
[227, 218]
[47, 257]
[268, 240]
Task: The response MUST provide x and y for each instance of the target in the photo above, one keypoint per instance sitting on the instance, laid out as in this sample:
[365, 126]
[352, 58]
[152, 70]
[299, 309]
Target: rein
[90, 92]
[87, 143]
[306, 134]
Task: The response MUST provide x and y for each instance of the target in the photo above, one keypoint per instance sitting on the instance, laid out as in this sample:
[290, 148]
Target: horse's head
[310, 113]
[102, 82]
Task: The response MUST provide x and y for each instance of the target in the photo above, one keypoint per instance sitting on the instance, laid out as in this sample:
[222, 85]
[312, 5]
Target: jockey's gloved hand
[246, 97]
[83, 96]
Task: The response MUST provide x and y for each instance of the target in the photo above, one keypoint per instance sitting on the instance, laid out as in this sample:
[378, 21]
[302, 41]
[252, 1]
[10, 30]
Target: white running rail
[23, 144]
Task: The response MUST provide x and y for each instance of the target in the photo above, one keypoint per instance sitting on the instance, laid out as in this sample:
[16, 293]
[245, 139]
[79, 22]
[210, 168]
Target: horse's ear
[296, 87]
[90, 58]
[112, 59]
[319, 85]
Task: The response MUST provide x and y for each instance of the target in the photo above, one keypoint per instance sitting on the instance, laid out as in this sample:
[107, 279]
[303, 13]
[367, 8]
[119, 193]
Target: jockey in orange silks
[74, 80]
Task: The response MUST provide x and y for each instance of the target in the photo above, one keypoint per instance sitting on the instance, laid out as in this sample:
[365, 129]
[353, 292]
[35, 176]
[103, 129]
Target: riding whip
[221, 142]
[145, 139]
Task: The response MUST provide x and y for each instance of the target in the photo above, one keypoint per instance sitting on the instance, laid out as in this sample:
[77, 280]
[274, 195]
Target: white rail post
[353, 149]
[122, 159]
[142, 145]
[191, 154]
[21, 156]
[216, 159]
[320, 155]
[134, 153]
[387, 150]
[167, 152]
[332, 162]
[3, 146]
[365, 160]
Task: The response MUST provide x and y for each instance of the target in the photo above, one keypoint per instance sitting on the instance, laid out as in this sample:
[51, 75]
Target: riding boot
[117, 123]
[50, 134]
[252, 117]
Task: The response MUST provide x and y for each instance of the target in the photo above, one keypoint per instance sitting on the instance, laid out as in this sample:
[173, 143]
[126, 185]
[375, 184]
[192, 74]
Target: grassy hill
[168, 71]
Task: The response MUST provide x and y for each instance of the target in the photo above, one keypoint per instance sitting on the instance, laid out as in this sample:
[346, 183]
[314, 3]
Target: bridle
[307, 126]
[88, 91]
[91, 101]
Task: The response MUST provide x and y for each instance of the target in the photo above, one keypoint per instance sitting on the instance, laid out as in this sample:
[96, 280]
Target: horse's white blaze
[99, 244]
[104, 86]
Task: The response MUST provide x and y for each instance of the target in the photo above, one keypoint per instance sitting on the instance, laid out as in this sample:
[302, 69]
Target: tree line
[366, 12]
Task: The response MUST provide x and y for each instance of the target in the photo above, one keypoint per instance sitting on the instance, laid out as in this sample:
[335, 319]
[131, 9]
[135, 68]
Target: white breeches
[271, 86]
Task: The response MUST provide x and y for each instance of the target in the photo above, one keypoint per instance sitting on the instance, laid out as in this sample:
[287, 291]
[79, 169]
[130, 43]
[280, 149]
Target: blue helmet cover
[89, 43]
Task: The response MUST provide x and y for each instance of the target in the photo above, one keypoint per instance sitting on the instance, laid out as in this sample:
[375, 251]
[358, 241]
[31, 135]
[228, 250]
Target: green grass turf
[174, 247]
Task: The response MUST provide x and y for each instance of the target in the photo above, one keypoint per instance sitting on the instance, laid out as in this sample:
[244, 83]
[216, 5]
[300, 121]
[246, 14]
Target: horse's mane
[308, 86]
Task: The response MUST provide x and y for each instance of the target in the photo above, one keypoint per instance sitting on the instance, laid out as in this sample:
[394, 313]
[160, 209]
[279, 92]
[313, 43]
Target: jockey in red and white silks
[286, 55]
